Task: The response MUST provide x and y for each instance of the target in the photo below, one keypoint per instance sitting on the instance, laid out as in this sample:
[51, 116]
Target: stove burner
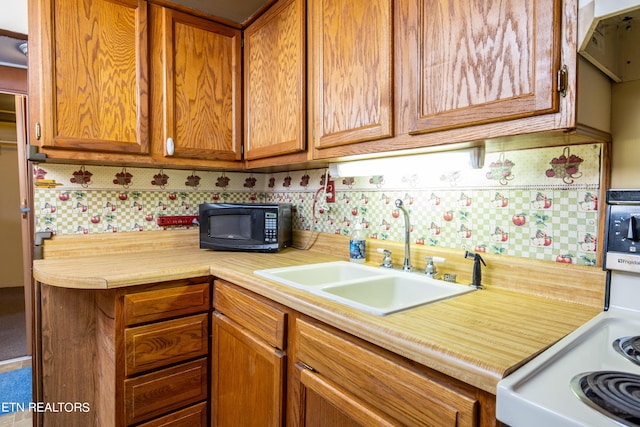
[629, 347]
[615, 394]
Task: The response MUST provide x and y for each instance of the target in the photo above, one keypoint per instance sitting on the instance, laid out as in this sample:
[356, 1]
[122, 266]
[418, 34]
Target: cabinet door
[90, 74]
[324, 404]
[274, 52]
[247, 377]
[202, 86]
[350, 71]
[482, 62]
[371, 378]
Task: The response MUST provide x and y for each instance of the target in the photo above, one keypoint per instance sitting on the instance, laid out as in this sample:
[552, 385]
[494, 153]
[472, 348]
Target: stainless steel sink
[374, 290]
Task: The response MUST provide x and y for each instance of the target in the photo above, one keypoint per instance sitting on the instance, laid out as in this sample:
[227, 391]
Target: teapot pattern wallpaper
[538, 203]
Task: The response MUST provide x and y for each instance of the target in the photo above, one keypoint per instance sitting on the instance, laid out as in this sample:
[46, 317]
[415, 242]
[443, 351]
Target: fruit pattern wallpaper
[539, 203]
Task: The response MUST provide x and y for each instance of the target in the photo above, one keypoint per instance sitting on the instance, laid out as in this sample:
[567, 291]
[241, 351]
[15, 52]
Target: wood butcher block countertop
[477, 338]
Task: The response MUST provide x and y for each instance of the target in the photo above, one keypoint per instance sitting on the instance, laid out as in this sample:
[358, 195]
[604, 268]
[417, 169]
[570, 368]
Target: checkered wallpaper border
[531, 215]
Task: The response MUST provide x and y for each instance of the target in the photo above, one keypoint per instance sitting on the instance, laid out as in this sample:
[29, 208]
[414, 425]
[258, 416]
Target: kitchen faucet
[407, 228]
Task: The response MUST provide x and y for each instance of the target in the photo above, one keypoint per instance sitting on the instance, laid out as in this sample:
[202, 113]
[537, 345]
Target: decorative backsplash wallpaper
[538, 203]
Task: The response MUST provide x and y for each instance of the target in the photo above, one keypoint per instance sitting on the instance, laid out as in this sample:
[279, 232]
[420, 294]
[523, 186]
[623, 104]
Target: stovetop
[567, 385]
[540, 392]
[615, 394]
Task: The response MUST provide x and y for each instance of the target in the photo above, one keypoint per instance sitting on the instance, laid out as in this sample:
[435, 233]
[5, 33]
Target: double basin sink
[377, 291]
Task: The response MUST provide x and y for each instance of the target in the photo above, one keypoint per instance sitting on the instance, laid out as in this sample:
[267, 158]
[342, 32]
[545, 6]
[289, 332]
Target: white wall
[625, 124]
[14, 16]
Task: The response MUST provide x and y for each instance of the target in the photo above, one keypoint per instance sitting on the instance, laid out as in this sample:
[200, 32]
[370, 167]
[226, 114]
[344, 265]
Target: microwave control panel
[270, 227]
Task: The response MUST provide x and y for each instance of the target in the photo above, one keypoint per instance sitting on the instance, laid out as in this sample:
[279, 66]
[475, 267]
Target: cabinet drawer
[193, 416]
[263, 319]
[165, 303]
[161, 392]
[163, 343]
[386, 384]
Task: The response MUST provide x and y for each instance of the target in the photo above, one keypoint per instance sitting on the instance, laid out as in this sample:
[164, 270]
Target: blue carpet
[15, 390]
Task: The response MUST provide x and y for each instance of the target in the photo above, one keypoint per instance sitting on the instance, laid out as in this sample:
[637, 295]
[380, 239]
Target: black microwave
[245, 226]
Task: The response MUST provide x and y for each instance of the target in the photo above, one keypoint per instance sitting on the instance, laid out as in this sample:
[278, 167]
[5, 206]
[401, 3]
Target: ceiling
[14, 19]
[237, 11]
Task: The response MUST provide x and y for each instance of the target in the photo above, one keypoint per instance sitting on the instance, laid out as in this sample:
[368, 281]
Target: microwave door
[231, 226]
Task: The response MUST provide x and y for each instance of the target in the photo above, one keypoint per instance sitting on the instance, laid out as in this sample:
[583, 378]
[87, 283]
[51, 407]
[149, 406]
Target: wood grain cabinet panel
[141, 307]
[257, 315]
[155, 372]
[325, 404]
[274, 82]
[350, 71]
[355, 380]
[247, 377]
[89, 78]
[201, 85]
[482, 62]
[247, 359]
[164, 343]
[193, 416]
[166, 390]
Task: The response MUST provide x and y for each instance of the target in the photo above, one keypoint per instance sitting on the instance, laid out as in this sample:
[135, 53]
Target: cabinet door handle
[563, 80]
[170, 147]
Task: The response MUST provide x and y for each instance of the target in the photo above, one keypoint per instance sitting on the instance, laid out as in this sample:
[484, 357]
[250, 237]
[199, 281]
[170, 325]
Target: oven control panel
[622, 248]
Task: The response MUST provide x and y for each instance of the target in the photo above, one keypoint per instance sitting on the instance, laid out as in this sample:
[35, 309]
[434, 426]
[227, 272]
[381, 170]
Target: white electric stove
[592, 376]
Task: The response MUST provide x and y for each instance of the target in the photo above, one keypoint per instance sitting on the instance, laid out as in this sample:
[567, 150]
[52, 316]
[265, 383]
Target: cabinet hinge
[563, 80]
[34, 156]
[38, 243]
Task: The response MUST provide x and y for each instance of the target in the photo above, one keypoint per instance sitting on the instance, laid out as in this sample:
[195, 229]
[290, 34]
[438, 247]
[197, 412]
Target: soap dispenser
[358, 245]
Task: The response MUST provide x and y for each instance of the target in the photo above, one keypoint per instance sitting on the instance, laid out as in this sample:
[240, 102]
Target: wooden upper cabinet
[275, 101]
[201, 85]
[482, 62]
[90, 75]
[350, 71]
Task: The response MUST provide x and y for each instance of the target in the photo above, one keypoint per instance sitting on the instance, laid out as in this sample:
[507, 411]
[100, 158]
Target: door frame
[25, 182]
[14, 81]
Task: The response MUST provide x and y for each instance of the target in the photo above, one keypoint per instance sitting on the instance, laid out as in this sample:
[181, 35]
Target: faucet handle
[430, 270]
[386, 261]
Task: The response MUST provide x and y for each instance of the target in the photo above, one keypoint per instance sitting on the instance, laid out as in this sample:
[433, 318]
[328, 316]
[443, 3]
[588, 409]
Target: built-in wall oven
[592, 376]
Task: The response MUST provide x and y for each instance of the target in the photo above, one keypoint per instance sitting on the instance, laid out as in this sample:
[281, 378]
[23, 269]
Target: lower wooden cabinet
[247, 382]
[322, 403]
[134, 356]
[345, 381]
[248, 363]
[167, 355]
